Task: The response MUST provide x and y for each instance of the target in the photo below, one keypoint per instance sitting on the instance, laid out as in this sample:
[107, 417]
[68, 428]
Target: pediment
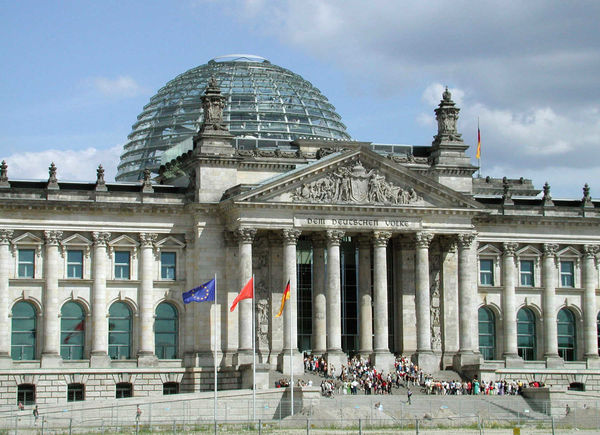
[488, 249]
[528, 251]
[569, 251]
[27, 239]
[356, 177]
[170, 242]
[76, 240]
[124, 241]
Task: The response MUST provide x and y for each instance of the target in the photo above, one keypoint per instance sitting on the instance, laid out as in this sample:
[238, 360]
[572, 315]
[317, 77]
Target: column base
[592, 361]
[207, 359]
[100, 360]
[464, 359]
[337, 358]
[383, 361]
[5, 361]
[554, 361]
[147, 359]
[243, 356]
[295, 358]
[365, 354]
[513, 360]
[50, 360]
[261, 380]
[427, 361]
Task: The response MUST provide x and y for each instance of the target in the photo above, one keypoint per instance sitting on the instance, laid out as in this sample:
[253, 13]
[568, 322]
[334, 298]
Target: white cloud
[72, 165]
[122, 86]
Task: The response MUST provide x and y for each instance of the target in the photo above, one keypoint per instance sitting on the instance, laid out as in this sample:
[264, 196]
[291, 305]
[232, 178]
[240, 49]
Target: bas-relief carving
[262, 306]
[353, 183]
[435, 297]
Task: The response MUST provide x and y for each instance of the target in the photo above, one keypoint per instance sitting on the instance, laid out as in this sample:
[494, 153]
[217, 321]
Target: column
[146, 299]
[467, 298]
[188, 313]
[382, 358]
[290, 311]
[319, 338]
[590, 331]
[245, 237]
[365, 302]
[406, 305]
[99, 353]
[422, 302]
[229, 283]
[335, 355]
[5, 239]
[549, 315]
[509, 314]
[51, 328]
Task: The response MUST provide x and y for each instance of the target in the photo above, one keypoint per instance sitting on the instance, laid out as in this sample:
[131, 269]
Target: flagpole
[291, 351]
[215, 347]
[253, 357]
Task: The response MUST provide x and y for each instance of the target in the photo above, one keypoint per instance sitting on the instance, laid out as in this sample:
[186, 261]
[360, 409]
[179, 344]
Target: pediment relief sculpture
[354, 184]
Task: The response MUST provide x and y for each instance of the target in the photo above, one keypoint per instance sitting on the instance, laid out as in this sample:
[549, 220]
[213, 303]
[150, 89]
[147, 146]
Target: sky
[76, 74]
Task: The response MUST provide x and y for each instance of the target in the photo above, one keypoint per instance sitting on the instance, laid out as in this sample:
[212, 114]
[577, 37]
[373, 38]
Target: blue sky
[77, 73]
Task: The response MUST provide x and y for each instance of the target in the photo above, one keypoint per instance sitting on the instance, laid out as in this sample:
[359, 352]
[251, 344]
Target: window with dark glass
[170, 388]
[26, 263]
[567, 274]
[119, 331]
[566, 332]
[487, 333]
[304, 300]
[167, 265]
[486, 272]
[122, 264]
[26, 394]
[23, 336]
[74, 264]
[123, 390]
[527, 273]
[72, 331]
[526, 340]
[166, 331]
[598, 330]
[75, 392]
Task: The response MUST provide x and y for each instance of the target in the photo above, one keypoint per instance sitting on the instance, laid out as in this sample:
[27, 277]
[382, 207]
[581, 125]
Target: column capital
[509, 248]
[147, 239]
[245, 235]
[319, 241]
[465, 240]
[290, 236]
[590, 251]
[334, 237]
[6, 236]
[380, 238]
[550, 249]
[423, 239]
[100, 238]
[52, 237]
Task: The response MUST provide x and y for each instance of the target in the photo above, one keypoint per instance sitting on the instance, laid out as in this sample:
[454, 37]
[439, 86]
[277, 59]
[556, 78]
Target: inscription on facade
[357, 222]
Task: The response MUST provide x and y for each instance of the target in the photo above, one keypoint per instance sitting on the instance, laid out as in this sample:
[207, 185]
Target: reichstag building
[240, 168]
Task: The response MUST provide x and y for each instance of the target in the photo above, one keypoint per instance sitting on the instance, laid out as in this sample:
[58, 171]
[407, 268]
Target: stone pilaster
[99, 354]
[335, 355]
[365, 302]
[467, 296]
[425, 356]
[509, 313]
[382, 358]
[291, 359]
[548, 306]
[51, 328]
[146, 355]
[5, 239]
[590, 330]
[189, 352]
[319, 338]
[245, 237]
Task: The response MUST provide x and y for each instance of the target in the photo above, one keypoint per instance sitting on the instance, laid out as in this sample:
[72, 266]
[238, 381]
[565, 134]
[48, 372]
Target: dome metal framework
[267, 106]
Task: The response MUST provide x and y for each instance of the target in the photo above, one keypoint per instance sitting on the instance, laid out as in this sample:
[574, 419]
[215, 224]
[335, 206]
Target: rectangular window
[75, 392]
[122, 264]
[74, 264]
[486, 272]
[567, 276]
[527, 273]
[167, 265]
[26, 263]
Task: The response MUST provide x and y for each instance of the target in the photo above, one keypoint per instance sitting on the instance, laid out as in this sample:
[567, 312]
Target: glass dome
[267, 106]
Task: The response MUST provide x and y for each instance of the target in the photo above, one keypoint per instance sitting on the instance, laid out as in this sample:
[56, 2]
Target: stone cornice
[87, 207]
[535, 220]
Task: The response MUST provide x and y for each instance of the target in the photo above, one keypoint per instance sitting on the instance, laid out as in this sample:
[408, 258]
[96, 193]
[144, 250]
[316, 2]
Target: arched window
[23, 337]
[165, 331]
[487, 333]
[566, 332]
[119, 331]
[72, 331]
[526, 342]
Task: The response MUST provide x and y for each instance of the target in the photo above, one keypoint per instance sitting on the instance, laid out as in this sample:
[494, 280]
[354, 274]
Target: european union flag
[202, 293]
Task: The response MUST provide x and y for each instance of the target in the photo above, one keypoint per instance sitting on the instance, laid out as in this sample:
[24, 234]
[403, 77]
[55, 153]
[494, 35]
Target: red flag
[246, 293]
[78, 327]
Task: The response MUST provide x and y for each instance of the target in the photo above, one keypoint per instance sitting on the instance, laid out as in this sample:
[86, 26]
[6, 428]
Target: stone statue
[213, 104]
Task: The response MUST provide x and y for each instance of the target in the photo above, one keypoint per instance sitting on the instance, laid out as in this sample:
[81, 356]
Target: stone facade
[417, 250]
